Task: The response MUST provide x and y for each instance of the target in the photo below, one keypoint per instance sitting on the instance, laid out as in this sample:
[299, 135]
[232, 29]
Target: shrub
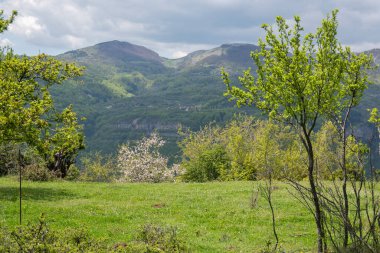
[99, 168]
[39, 238]
[8, 158]
[143, 162]
[37, 172]
[154, 239]
[244, 149]
[73, 173]
[208, 166]
[161, 239]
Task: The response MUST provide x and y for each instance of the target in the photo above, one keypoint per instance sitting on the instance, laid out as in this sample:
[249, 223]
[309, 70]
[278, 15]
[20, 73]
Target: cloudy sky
[174, 28]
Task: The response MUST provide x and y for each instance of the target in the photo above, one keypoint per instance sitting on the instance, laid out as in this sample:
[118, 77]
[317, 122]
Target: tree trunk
[346, 221]
[344, 189]
[313, 188]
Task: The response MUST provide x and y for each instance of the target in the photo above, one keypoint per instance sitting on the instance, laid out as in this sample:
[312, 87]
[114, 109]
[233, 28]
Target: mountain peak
[111, 51]
[121, 49]
[234, 54]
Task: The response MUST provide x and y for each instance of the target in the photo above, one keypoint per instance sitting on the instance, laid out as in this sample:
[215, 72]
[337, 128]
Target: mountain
[129, 91]
[227, 55]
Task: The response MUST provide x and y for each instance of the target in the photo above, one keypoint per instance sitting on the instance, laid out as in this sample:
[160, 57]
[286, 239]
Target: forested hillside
[128, 91]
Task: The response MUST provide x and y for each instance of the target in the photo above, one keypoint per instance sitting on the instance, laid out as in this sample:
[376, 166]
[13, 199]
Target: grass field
[211, 217]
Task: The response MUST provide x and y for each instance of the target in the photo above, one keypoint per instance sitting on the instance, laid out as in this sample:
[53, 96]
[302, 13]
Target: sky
[174, 28]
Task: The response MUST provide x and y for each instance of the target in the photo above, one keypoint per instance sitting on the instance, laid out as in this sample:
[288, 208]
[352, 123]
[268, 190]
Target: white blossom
[143, 162]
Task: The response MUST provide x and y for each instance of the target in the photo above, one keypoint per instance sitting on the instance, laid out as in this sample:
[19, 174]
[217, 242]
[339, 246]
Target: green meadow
[210, 217]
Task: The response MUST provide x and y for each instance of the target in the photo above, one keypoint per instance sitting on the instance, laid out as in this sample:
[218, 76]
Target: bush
[98, 168]
[73, 173]
[8, 158]
[244, 149]
[37, 172]
[143, 162]
[154, 239]
[208, 166]
[39, 238]
[161, 239]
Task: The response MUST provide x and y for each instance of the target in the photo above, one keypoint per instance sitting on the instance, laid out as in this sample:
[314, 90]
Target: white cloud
[173, 50]
[5, 43]
[75, 42]
[171, 27]
[179, 54]
[363, 46]
[27, 26]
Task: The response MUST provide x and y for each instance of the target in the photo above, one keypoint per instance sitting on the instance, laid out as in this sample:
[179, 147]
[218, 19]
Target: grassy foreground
[210, 217]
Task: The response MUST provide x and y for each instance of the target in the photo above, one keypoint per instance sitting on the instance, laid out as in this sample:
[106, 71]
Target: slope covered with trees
[128, 91]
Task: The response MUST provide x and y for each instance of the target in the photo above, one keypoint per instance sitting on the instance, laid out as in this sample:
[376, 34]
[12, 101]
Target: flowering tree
[143, 162]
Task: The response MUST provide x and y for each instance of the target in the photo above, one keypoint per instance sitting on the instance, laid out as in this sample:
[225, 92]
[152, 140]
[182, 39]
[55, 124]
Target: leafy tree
[299, 80]
[27, 112]
[63, 142]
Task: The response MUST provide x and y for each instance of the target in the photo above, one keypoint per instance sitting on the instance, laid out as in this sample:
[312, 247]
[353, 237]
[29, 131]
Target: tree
[63, 142]
[4, 23]
[27, 113]
[143, 162]
[299, 80]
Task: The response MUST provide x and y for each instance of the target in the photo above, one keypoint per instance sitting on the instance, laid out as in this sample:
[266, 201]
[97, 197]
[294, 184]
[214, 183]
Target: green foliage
[25, 98]
[300, 79]
[8, 158]
[73, 174]
[374, 116]
[37, 172]
[4, 23]
[32, 164]
[161, 239]
[267, 153]
[99, 168]
[158, 95]
[245, 149]
[328, 148]
[211, 164]
[375, 119]
[28, 113]
[63, 142]
[40, 238]
[357, 156]
[238, 138]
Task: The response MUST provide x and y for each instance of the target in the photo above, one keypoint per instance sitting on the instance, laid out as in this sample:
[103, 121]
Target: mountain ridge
[129, 90]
